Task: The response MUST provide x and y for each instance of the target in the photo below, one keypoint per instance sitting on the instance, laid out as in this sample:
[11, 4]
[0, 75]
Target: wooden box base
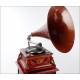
[36, 64]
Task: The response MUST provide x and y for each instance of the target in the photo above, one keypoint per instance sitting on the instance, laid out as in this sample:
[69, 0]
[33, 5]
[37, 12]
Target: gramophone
[60, 30]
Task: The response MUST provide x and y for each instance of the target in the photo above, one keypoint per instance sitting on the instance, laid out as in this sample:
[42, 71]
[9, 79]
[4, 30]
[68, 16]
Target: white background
[40, 77]
[18, 22]
[39, 2]
[0, 38]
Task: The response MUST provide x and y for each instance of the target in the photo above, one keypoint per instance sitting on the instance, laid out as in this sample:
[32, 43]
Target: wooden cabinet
[36, 64]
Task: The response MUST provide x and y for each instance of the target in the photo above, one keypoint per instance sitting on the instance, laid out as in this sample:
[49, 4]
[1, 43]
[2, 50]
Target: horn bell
[59, 29]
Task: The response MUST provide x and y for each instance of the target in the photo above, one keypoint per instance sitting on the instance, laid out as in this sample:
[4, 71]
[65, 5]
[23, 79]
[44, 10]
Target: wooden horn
[59, 29]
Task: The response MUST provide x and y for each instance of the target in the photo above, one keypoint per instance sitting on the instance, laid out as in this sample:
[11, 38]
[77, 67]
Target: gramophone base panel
[36, 63]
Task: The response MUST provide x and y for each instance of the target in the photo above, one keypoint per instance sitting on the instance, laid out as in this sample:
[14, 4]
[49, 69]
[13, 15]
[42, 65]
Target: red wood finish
[36, 64]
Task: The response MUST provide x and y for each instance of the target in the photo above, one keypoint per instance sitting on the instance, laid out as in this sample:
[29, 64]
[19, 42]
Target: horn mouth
[61, 28]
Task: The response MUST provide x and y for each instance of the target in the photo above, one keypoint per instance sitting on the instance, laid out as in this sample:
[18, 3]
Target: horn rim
[65, 48]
